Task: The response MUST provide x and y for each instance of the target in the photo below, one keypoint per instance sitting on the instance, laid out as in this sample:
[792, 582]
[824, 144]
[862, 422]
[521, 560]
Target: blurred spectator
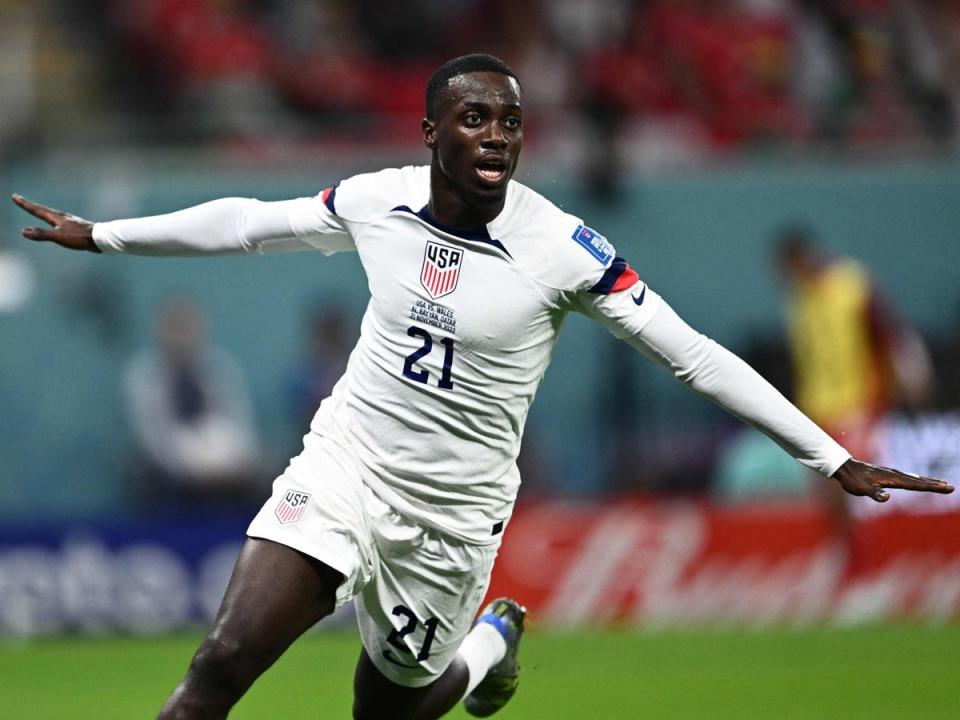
[928, 35]
[335, 76]
[853, 356]
[213, 58]
[328, 345]
[191, 414]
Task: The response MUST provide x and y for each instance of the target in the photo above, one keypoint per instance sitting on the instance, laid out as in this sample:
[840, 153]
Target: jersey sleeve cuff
[106, 241]
[835, 457]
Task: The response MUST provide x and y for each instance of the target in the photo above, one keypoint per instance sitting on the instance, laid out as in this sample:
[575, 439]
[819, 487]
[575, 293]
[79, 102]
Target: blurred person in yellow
[853, 356]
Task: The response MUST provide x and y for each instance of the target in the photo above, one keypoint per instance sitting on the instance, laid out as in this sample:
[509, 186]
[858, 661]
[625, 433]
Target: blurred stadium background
[677, 564]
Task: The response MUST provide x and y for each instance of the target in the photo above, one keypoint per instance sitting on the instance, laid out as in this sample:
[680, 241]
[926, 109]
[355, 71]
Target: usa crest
[441, 269]
[292, 506]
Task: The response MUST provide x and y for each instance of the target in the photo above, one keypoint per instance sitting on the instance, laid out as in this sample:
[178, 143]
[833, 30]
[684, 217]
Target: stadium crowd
[737, 71]
[709, 75]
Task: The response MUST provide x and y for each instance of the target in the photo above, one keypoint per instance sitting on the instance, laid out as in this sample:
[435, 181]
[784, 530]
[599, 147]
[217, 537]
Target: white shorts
[417, 590]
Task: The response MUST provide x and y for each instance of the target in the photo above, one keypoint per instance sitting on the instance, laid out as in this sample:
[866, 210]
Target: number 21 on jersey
[423, 376]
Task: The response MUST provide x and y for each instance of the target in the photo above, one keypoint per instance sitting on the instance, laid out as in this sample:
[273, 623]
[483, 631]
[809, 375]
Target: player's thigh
[423, 598]
[274, 595]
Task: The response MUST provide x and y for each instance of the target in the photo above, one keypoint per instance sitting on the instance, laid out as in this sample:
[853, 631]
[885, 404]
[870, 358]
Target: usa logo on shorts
[441, 269]
[291, 507]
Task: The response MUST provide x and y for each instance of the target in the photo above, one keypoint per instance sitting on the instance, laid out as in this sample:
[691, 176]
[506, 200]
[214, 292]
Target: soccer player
[408, 477]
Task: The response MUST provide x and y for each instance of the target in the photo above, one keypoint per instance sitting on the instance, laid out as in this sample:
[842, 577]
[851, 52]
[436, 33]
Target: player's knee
[222, 664]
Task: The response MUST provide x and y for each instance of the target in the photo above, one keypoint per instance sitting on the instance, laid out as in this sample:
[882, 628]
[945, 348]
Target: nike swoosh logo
[639, 300]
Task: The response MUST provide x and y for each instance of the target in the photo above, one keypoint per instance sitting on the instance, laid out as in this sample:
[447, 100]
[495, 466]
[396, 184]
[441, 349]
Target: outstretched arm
[721, 376]
[229, 226]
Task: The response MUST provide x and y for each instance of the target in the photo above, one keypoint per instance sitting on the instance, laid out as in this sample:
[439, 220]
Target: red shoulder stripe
[628, 278]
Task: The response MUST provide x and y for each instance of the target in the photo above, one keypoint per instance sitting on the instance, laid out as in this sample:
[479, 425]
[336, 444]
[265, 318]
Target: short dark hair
[476, 62]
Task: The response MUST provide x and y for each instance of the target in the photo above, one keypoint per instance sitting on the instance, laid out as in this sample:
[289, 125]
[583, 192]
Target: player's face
[477, 135]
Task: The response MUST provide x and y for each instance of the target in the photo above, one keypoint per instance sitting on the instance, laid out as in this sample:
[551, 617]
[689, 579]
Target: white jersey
[459, 331]
[456, 339]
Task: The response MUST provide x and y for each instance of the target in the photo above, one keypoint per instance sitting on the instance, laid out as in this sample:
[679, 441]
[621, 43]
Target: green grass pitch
[895, 672]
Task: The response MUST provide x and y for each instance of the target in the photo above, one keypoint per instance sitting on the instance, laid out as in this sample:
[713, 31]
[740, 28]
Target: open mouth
[493, 170]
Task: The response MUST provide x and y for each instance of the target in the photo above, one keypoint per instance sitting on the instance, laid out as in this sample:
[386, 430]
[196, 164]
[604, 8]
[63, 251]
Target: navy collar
[474, 234]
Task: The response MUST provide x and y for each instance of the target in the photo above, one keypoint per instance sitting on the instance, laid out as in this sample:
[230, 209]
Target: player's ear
[429, 128]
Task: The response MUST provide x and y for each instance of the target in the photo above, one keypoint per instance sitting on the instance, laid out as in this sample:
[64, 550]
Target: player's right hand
[67, 230]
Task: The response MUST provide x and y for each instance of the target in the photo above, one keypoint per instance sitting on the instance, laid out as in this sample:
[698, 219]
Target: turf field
[885, 672]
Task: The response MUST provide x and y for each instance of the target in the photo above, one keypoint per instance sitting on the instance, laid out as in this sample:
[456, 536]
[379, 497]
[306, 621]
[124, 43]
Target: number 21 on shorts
[397, 635]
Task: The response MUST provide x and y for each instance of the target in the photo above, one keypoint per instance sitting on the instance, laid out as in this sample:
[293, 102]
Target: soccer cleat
[501, 681]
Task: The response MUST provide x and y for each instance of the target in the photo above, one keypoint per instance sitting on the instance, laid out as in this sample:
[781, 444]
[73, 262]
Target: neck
[451, 208]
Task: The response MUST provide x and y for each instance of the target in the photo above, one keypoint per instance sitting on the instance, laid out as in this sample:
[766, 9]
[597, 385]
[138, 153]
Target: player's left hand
[860, 478]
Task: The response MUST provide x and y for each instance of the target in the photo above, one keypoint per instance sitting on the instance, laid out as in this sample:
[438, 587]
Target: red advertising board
[689, 563]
